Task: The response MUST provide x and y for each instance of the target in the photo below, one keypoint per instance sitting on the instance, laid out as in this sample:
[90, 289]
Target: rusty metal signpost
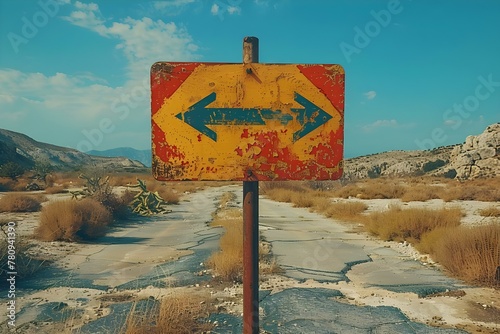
[247, 122]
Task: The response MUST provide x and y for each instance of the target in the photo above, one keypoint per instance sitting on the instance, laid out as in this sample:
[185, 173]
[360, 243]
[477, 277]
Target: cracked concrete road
[310, 246]
[124, 256]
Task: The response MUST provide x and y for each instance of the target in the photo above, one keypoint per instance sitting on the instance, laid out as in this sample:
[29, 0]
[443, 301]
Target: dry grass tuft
[420, 192]
[371, 189]
[410, 224]
[227, 263]
[15, 202]
[486, 190]
[55, 190]
[296, 186]
[472, 254]
[280, 195]
[300, 199]
[226, 198]
[26, 264]
[349, 211]
[73, 220]
[7, 184]
[491, 211]
[176, 314]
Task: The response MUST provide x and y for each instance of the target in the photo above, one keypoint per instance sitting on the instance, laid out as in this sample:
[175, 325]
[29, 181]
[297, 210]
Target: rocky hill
[23, 150]
[479, 156]
[397, 163]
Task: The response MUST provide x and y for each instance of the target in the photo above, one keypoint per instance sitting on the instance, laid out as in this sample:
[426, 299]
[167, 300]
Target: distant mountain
[144, 156]
[21, 149]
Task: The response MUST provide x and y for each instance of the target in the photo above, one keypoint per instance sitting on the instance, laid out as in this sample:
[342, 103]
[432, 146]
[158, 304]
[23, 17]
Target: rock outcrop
[479, 156]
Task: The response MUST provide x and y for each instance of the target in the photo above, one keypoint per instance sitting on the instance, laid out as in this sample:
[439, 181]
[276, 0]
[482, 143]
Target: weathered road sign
[214, 121]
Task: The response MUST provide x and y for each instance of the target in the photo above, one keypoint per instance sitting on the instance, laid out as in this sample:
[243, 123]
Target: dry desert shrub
[227, 263]
[345, 210]
[318, 201]
[65, 179]
[382, 188]
[472, 254]
[297, 186]
[430, 240]
[371, 189]
[349, 190]
[25, 264]
[304, 199]
[7, 184]
[486, 190]
[176, 314]
[420, 192]
[226, 198]
[301, 199]
[280, 194]
[71, 220]
[410, 224]
[55, 190]
[491, 211]
[16, 202]
[124, 179]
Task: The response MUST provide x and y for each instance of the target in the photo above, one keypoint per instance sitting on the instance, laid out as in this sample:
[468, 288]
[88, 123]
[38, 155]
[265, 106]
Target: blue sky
[419, 74]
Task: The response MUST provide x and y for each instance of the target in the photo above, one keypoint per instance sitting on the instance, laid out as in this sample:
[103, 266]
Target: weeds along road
[336, 280]
[162, 251]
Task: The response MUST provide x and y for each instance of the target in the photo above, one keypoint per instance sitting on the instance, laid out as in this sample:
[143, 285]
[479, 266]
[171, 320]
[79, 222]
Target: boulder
[479, 156]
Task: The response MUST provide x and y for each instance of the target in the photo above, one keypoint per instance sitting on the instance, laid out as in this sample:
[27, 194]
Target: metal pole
[250, 225]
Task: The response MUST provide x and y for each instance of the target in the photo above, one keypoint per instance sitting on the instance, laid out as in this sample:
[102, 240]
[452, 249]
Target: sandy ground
[475, 310]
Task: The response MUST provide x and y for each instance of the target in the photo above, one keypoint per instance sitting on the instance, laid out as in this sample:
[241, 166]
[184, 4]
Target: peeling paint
[214, 121]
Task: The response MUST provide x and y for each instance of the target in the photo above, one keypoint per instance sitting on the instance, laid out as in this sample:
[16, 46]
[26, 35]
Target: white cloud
[383, 123]
[263, 3]
[450, 122]
[233, 10]
[143, 41]
[223, 8]
[57, 96]
[370, 95]
[161, 5]
[86, 6]
[73, 104]
[6, 98]
[215, 9]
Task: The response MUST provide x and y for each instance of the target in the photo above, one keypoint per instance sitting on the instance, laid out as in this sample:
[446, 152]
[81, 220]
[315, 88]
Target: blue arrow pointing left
[198, 116]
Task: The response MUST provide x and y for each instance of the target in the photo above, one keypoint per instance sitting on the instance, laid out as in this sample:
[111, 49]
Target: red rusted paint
[329, 81]
[175, 75]
[330, 152]
[165, 151]
[275, 162]
[244, 134]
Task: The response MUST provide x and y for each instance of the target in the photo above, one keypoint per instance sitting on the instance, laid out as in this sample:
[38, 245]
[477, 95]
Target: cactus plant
[145, 202]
